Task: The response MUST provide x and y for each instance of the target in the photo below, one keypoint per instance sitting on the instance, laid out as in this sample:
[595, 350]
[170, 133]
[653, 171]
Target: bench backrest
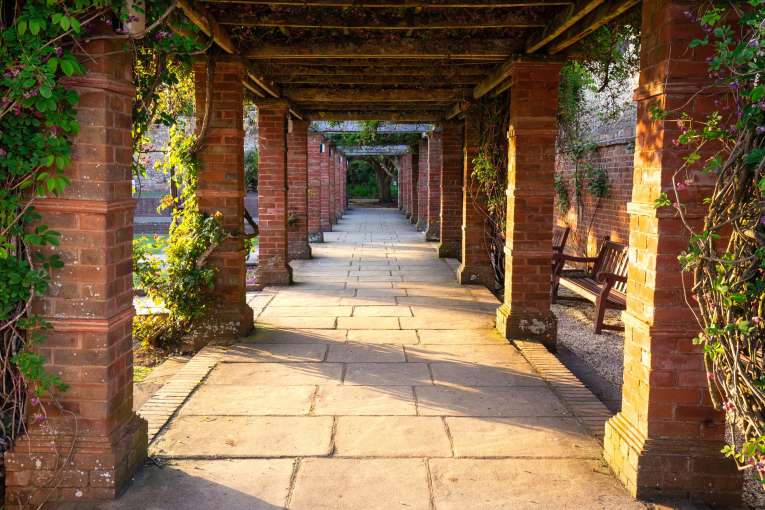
[560, 236]
[612, 258]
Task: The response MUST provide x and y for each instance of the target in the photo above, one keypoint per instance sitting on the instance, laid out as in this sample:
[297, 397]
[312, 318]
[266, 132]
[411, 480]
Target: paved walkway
[375, 382]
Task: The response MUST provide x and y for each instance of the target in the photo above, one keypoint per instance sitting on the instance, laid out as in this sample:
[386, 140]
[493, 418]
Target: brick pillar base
[434, 186]
[665, 442]
[476, 265]
[90, 308]
[273, 268]
[222, 189]
[297, 178]
[451, 190]
[532, 131]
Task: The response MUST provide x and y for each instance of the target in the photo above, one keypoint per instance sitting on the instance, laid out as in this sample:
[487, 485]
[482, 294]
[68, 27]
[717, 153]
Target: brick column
[414, 183]
[315, 234]
[297, 190]
[434, 186]
[332, 162]
[273, 268]
[452, 162]
[405, 163]
[422, 186]
[525, 312]
[90, 308]
[221, 189]
[338, 186]
[666, 440]
[476, 266]
[399, 187]
[326, 224]
[344, 187]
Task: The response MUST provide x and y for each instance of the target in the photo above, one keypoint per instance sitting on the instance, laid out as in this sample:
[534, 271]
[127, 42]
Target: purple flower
[756, 319]
[729, 406]
[59, 51]
[3, 152]
[760, 130]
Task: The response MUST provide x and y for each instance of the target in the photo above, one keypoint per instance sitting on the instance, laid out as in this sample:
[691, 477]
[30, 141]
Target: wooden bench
[605, 284]
[560, 236]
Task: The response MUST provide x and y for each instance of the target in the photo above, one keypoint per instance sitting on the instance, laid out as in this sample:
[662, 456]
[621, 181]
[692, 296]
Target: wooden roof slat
[379, 79]
[604, 14]
[565, 19]
[381, 95]
[334, 21]
[406, 48]
[391, 115]
[403, 4]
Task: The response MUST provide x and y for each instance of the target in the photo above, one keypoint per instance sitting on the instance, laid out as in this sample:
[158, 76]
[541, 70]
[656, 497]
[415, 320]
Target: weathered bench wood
[605, 284]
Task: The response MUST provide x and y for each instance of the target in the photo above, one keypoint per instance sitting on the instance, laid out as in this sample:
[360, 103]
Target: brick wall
[596, 218]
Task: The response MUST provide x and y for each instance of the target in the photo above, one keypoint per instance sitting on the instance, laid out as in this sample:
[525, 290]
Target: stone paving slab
[387, 374]
[460, 375]
[355, 484]
[460, 336]
[241, 400]
[246, 436]
[383, 336]
[262, 353]
[496, 401]
[525, 484]
[478, 354]
[391, 436]
[364, 400]
[279, 374]
[365, 353]
[264, 335]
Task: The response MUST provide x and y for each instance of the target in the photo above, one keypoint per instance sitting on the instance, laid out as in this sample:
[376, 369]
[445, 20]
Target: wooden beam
[458, 109]
[381, 95]
[593, 21]
[562, 22]
[398, 115]
[405, 48]
[207, 24]
[495, 78]
[377, 79]
[403, 4]
[300, 70]
[481, 66]
[396, 22]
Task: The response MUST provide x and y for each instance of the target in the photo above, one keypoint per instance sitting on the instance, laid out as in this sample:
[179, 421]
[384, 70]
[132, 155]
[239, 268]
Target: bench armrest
[603, 277]
[571, 258]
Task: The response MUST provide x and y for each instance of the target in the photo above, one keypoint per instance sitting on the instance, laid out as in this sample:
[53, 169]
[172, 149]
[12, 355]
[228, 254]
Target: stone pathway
[375, 382]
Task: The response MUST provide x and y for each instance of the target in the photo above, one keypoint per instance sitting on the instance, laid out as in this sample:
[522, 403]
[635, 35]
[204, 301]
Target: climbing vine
[726, 252]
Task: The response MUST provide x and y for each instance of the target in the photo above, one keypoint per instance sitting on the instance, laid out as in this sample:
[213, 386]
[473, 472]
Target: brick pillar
[221, 189]
[332, 162]
[666, 440]
[525, 312]
[344, 188]
[297, 190]
[414, 186]
[338, 186]
[326, 224]
[273, 268]
[422, 186]
[452, 162]
[434, 186]
[399, 185]
[315, 234]
[90, 308]
[476, 266]
[405, 163]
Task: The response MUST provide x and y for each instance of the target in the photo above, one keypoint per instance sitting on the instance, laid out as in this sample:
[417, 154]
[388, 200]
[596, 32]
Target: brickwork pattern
[89, 306]
[525, 312]
[332, 162]
[451, 190]
[414, 186]
[272, 195]
[422, 186]
[314, 188]
[476, 265]
[434, 186]
[326, 224]
[222, 189]
[666, 440]
[297, 190]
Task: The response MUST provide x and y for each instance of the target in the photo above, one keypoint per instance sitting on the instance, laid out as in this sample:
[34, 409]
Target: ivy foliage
[726, 255]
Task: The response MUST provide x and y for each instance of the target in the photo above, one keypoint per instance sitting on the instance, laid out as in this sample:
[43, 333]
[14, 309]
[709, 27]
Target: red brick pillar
[273, 267]
[332, 161]
[525, 312]
[666, 440]
[399, 185]
[476, 266]
[404, 163]
[326, 224]
[297, 189]
[414, 186]
[422, 186]
[90, 308]
[434, 186]
[338, 186]
[222, 189]
[344, 187]
[315, 234]
[452, 162]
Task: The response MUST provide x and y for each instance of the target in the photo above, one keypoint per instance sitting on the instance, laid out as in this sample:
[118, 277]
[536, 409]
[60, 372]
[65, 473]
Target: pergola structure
[404, 60]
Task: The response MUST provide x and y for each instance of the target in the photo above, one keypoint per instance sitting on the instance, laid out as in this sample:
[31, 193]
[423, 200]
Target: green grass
[140, 373]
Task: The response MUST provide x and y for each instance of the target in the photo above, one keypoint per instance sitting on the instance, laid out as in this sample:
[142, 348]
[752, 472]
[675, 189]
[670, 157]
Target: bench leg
[600, 312]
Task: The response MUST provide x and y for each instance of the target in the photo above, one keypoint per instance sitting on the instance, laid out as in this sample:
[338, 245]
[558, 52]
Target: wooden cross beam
[390, 115]
[603, 15]
[342, 21]
[404, 4]
[375, 95]
[405, 48]
[385, 69]
[565, 19]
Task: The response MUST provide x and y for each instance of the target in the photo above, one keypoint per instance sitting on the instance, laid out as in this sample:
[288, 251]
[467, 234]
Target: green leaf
[67, 67]
[754, 157]
[22, 26]
[34, 26]
[45, 91]
[52, 64]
